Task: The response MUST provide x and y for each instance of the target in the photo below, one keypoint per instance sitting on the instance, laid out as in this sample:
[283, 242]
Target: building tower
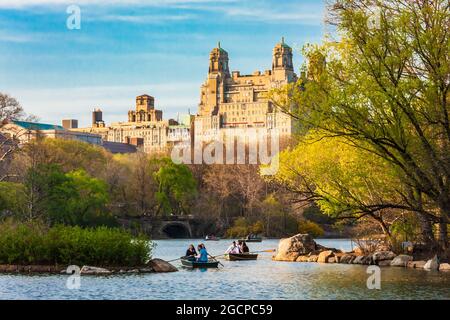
[212, 92]
[282, 66]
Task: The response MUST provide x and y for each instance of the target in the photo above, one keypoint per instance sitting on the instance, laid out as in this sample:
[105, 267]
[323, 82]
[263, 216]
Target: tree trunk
[427, 229]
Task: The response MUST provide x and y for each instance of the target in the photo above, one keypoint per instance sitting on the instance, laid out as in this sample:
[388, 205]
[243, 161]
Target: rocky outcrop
[347, 258]
[313, 258]
[363, 260]
[290, 249]
[324, 256]
[401, 260]
[88, 270]
[432, 264]
[159, 265]
[382, 256]
[302, 259]
[384, 263]
[444, 267]
[416, 264]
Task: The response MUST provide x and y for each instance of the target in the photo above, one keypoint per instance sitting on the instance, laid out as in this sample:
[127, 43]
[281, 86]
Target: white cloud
[144, 19]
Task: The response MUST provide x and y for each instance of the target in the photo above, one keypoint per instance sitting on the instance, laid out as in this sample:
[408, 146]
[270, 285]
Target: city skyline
[160, 48]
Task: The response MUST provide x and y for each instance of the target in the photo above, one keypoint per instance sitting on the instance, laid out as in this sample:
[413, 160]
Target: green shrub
[312, 228]
[34, 243]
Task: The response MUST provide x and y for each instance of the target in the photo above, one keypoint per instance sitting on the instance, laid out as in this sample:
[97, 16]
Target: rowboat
[251, 239]
[241, 256]
[191, 263]
[207, 238]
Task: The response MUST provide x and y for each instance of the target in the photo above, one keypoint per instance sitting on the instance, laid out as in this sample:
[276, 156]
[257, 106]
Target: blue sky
[129, 47]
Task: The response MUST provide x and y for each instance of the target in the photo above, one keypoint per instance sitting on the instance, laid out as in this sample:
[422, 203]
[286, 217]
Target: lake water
[261, 279]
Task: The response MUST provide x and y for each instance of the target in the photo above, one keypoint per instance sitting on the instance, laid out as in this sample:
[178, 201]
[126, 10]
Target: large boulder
[88, 270]
[432, 264]
[416, 264]
[159, 265]
[401, 260]
[444, 267]
[383, 255]
[324, 256]
[291, 248]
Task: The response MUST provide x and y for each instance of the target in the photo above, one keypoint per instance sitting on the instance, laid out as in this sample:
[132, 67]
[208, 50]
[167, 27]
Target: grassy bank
[35, 243]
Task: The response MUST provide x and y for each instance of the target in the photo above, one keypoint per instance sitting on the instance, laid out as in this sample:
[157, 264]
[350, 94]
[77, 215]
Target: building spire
[282, 40]
[218, 44]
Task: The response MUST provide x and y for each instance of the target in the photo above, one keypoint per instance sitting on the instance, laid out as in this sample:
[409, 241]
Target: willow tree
[384, 88]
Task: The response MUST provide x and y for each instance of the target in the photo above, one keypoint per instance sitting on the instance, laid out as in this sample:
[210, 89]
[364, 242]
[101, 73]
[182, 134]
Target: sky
[125, 48]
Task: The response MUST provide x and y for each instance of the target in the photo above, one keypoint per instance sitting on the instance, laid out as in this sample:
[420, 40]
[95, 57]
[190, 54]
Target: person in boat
[203, 254]
[244, 248]
[233, 248]
[190, 252]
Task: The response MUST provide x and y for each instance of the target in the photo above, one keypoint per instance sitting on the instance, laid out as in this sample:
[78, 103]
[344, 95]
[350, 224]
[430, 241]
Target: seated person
[203, 254]
[245, 248]
[190, 252]
[233, 248]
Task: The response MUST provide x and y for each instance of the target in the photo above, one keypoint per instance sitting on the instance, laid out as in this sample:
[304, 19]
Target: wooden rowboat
[241, 256]
[191, 263]
[251, 240]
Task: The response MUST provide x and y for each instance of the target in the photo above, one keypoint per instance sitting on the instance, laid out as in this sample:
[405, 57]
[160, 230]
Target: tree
[345, 182]
[384, 89]
[74, 198]
[177, 187]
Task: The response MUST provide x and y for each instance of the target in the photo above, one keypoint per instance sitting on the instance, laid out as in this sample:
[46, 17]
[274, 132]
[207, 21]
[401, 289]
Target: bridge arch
[177, 229]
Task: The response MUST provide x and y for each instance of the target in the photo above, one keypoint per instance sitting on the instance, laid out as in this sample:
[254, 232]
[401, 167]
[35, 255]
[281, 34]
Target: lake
[261, 279]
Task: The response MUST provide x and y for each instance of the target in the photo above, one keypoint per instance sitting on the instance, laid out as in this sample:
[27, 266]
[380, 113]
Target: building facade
[145, 128]
[230, 100]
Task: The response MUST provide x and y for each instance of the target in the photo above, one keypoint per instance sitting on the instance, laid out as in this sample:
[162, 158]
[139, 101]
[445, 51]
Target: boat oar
[216, 259]
[175, 259]
[269, 250]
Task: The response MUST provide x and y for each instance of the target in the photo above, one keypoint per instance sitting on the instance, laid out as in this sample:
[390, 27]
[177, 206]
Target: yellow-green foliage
[242, 228]
[344, 176]
[309, 227]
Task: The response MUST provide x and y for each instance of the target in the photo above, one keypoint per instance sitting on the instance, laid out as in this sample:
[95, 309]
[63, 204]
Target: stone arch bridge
[174, 227]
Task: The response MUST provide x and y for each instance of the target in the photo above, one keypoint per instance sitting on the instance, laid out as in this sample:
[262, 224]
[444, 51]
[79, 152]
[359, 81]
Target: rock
[313, 258]
[432, 264]
[347, 258]
[290, 249]
[338, 256]
[302, 259]
[367, 260]
[383, 255]
[94, 270]
[332, 260]
[401, 260]
[384, 263]
[416, 264]
[444, 267]
[358, 260]
[325, 256]
[159, 265]
[133, 271]
[146, 270]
